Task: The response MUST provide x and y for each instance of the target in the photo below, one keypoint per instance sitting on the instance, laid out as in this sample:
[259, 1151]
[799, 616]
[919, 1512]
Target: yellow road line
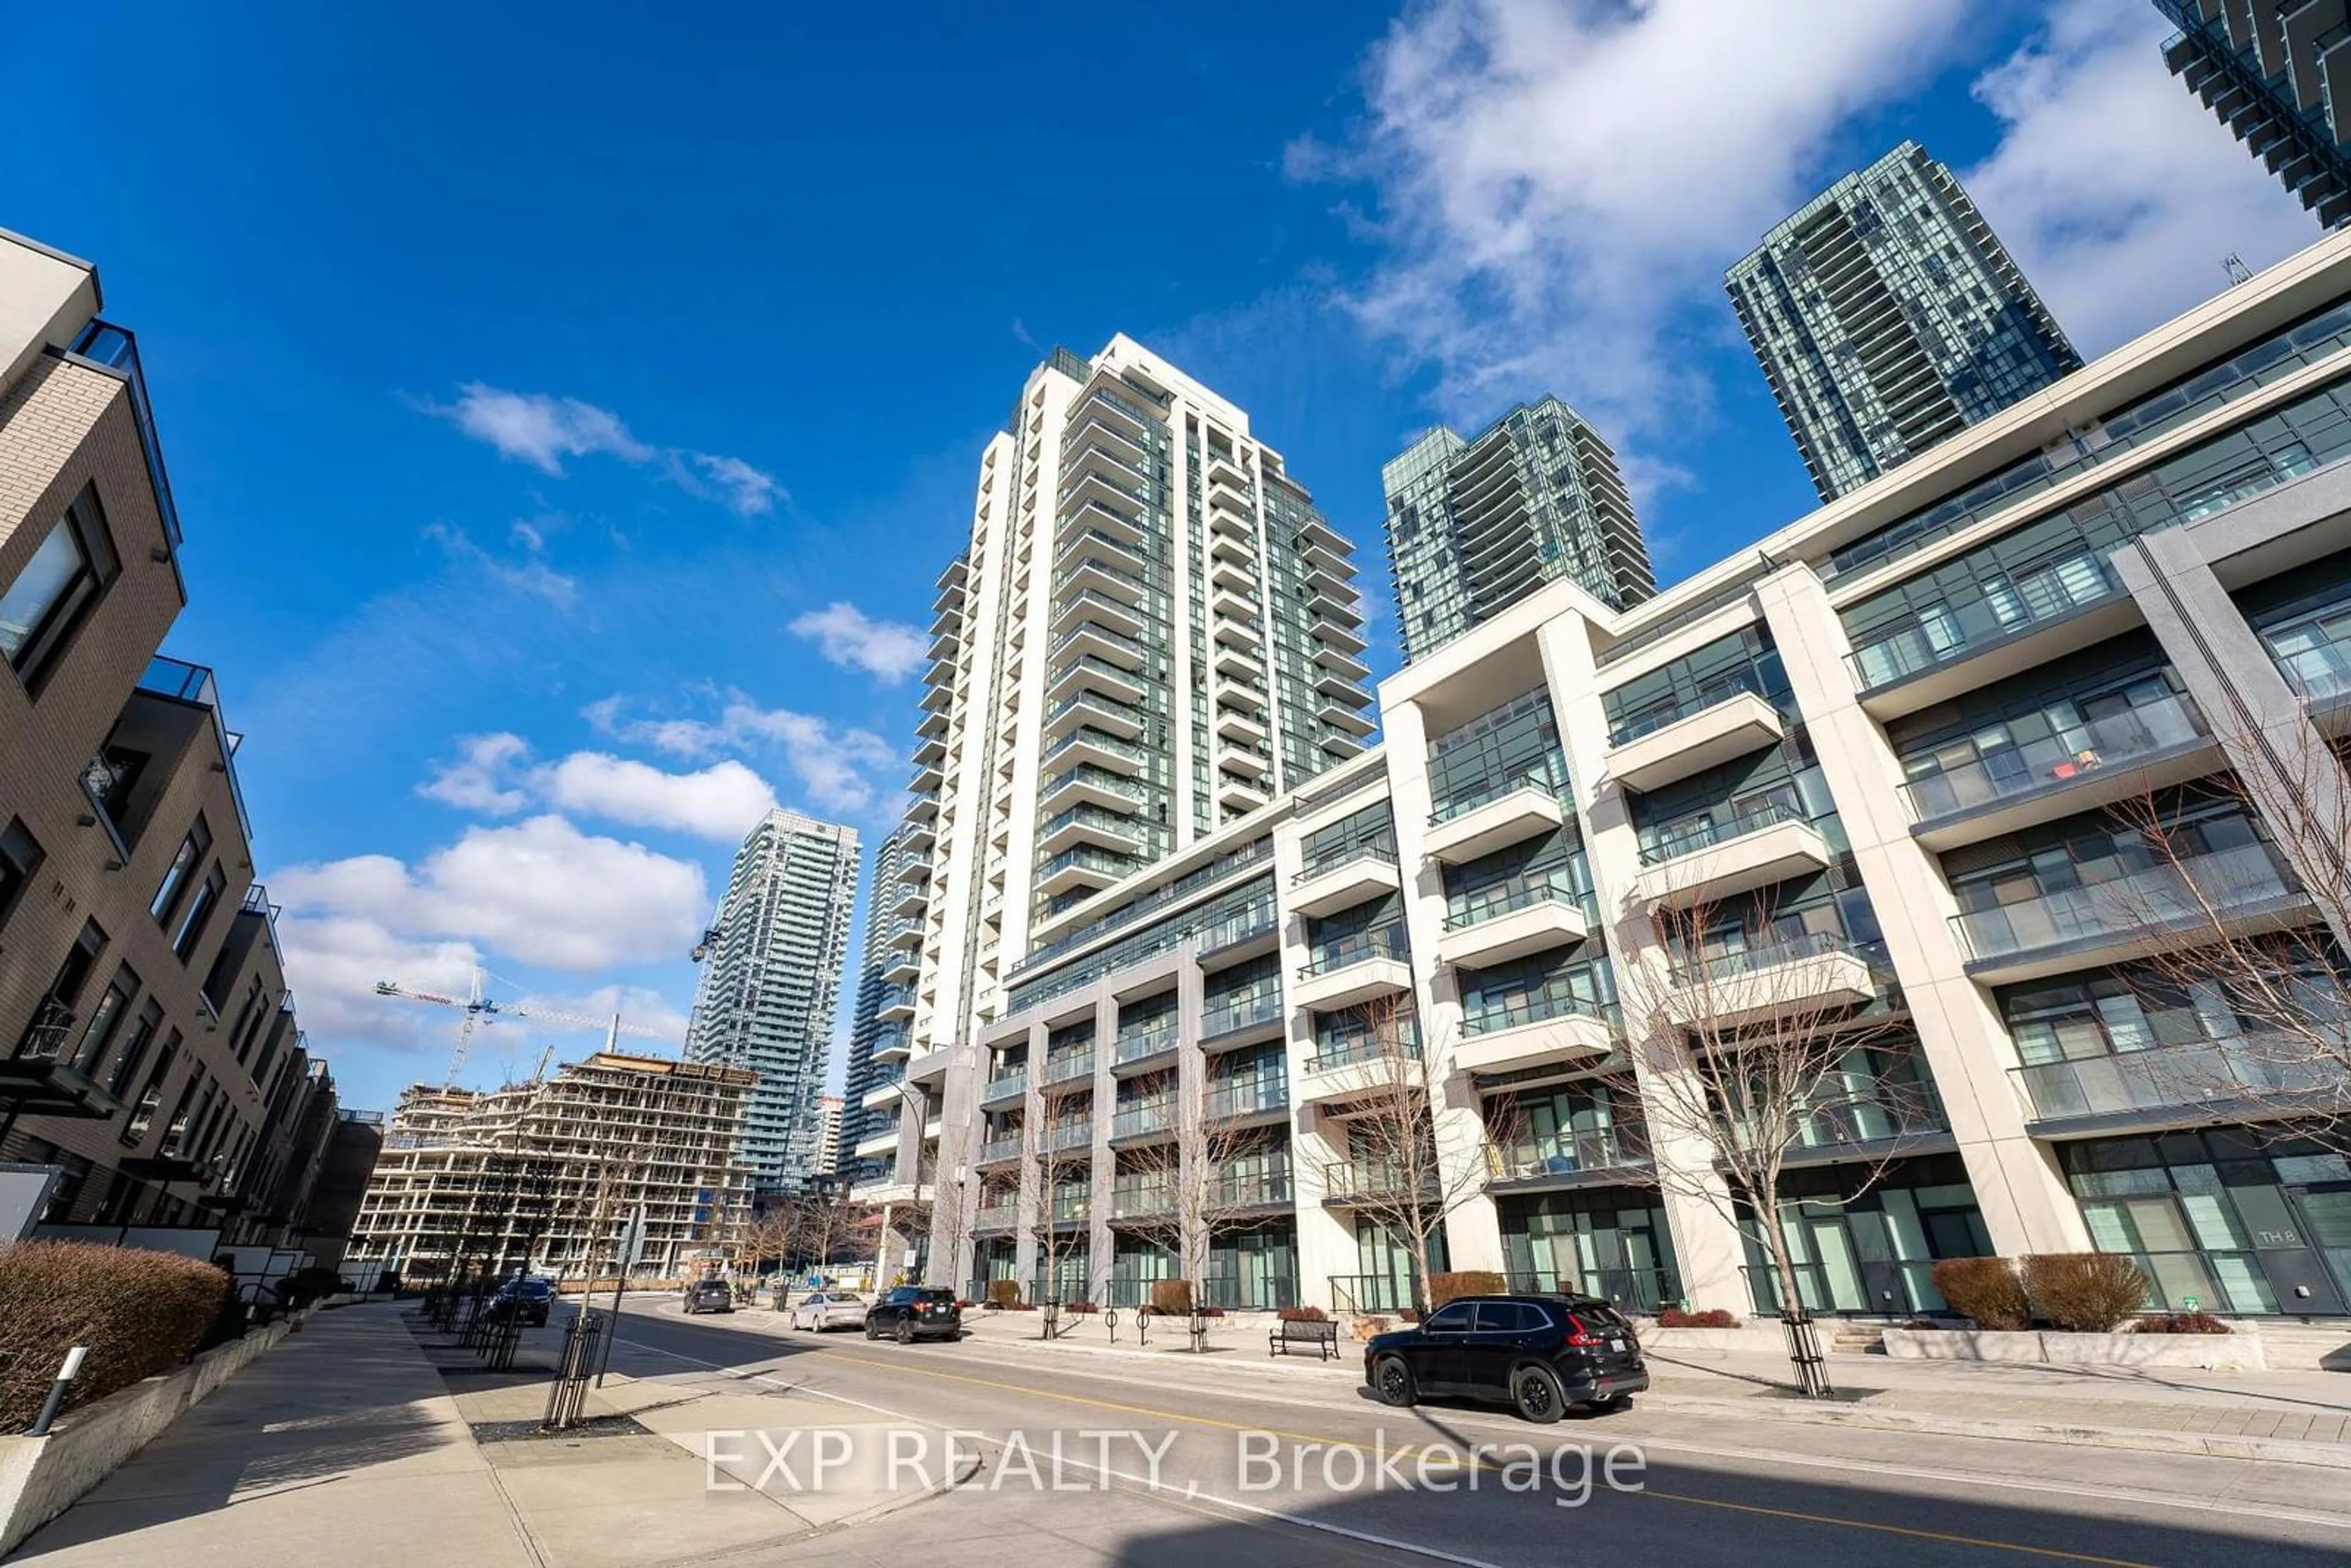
[2049, 1552]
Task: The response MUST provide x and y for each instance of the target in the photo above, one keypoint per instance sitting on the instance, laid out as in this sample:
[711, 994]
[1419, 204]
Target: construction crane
[481, 1011]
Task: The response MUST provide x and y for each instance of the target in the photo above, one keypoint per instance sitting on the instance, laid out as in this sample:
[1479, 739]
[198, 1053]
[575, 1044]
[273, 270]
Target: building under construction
[552, 1175]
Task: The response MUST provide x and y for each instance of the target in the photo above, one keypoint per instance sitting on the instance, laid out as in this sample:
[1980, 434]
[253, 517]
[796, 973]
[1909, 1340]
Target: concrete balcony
[1337, 1077]
[1353, 972]
[1462, 834]
[1692, 743]
[930, 1067]
[1548, 914]
[1720, 860]
[1364, 872]
[903, 966]
[1535, 1034]
[2113, 758]
[1004, 1087]
[873, 1194]
[1805, 978]
[897, 1007]
[880, 1142]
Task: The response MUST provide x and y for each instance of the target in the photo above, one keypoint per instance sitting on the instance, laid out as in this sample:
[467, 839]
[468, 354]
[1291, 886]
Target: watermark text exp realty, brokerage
[883, 1459]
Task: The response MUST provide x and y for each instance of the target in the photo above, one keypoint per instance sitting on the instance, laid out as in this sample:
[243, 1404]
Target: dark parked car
[528, 1298]
[1538, 1353]
[911, 1312]
[709, 1296]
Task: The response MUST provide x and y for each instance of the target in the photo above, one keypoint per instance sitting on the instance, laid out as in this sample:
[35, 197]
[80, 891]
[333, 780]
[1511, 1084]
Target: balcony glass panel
[1560, 885]
[2009, 605]
[1989, 765]
[2170, 1076]
[2314, 653]
[2167, 891]
[1361, 947]
[1719, 824]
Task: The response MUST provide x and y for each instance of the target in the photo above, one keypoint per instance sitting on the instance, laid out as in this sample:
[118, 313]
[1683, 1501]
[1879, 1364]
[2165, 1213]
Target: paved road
[1185, 1464]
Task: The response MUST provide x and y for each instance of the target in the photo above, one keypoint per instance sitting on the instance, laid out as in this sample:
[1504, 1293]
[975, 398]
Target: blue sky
[570, 406]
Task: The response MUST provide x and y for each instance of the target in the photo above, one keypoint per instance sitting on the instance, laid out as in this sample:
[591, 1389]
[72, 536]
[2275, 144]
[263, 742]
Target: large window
[20, 857]
[183, 867]
[40, 611]
[207, 898]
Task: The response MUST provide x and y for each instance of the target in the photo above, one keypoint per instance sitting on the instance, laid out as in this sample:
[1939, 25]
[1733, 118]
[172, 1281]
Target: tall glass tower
[885, 976]
[1888, 317]
[1475, 525]
[770, 981]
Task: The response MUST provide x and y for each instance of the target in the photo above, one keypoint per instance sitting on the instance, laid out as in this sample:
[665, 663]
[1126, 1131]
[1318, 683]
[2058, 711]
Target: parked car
[526, 1296]
[909, 1313]
[1538, 1353]
[709, 1296]
[822, 1310]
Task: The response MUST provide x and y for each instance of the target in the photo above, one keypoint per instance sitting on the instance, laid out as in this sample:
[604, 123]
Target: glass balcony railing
[1070, 1135]
[1463, 801]
[2167, 1077]
[995, 1215]
[1069, 1209]
[1707, 829]
[2010, 607]
[2169, 894]
[1004, 1148]
[1131, 1199]
[1650, 720]
[2114, 740]
[1123, 677]
[1086, 773]
[1349, 1050]
[1492, 1018]
[1362, 948]
[1375, 1178]
[2314, 653]
[1100, 741]
[1069, 1064]
[1718, 968]
[1010, 1082]
[1245, 1012]
[1150, 1042]
[1245, 1098]
[1096, 702]
[1116, 639]
[1332, 860]
[1505, 898]
[1138, 1116]
[1569, 1154]
[1237, 1188]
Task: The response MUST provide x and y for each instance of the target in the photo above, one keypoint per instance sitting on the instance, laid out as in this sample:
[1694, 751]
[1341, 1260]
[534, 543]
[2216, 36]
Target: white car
[821, 1310]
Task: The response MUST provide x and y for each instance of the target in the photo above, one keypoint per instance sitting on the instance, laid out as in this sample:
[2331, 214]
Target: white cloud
[831, 762]
[2116, 190]
[530, 575]
[539, 890]
[543, 430]
[1560, 185]
[721, 801]
[640, 1007]
[335, 960]
[890, 649]
[540, 430]
[476, 781]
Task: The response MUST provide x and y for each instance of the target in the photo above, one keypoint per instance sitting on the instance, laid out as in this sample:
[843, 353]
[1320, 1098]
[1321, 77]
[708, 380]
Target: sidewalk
[346, 1443]
[2294, 1416]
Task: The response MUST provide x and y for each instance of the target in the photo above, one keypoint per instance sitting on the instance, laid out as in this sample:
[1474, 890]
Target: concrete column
[2288, 773]
[1191, 1089]
[1325, 1237]
[1698, 1203]
[1473, 1230]
[2023, 1199]
[1098, 1236]
[1035, 1201]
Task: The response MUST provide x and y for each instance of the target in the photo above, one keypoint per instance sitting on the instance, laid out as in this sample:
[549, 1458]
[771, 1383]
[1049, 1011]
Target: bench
[1321, 1334]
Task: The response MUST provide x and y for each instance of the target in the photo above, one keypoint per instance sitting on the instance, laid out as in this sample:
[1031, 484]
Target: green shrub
[1442, 1288]
[1985, 1290]
[2083, 1293]
[139, 1312]
[1004, 1292]
[1172, 1297]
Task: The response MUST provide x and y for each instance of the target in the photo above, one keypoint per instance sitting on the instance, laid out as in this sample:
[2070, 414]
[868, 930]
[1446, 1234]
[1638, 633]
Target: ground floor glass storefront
[1610, 1243]
[1254, 1269]
[1869, 1247]
[2228, 1220]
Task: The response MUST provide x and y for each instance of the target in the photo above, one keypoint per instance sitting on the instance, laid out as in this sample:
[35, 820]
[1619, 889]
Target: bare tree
[2246, 989]
[1763, 1039]
[951, 1216]
[1197, 1181]
[1397, 1173]
[1061, 1152]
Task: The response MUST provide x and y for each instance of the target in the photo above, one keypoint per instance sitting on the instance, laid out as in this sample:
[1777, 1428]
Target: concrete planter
[40, 1477]
[1747, 1339]
[2239, 1350]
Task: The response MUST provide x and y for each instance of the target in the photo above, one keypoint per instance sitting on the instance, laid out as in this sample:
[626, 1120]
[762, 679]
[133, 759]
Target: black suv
[1538, 1353]
[911, 1312]
[709, 1296]
[528, 1298]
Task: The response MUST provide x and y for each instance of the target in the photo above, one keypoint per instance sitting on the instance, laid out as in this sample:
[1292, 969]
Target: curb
[2133, 1439]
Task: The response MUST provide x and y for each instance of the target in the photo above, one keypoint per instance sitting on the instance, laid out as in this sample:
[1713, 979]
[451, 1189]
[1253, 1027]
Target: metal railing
[1071, 1136]
[1704, 831]
[1001, 1148]
[1094, 778]
[1372, 1292]
[1135, 1117]
[1241, 1189]
[1262, 1008]
[1370, 849]
[1134, 1047]
[1348, 1052]
[1246, 1292]
[2186, 1073]
[2169, 892]
[1386, 1179]
[1720, 966]
[1536, 1008]
[2112, 741]
[1085, 735]
[1004, 1083]
[1627, 1289]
